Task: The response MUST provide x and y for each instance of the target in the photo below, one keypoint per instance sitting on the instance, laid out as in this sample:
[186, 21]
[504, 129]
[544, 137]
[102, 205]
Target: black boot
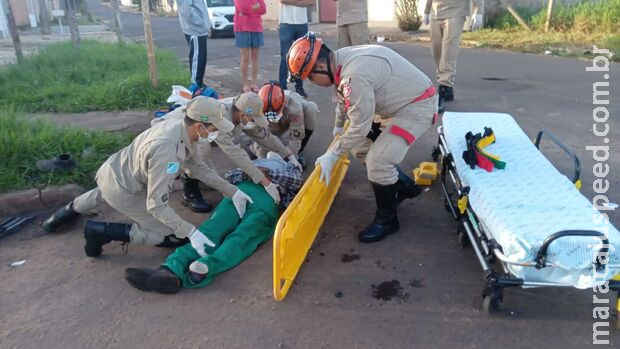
[407, 189]
[192, 197]
[441, 102]
[300, 155]
[160, 280]
[447, 92]
[98, 234]
[386, 220]
[60, 217]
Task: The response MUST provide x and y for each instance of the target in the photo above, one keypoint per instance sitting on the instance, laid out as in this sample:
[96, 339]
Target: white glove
[476, 22]
[338, 131]
[240, 199]
[198, 240]
[327, 162]
[427, 19]
[272, 190]
[293, 160]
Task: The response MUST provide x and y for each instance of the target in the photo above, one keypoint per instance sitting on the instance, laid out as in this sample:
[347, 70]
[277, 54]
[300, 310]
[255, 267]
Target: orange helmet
[302, 56]
[274, 99]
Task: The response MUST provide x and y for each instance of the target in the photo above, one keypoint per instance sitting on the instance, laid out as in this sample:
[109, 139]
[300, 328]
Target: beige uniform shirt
[352, 11]
[229, 145]
[372, 79]
[440, 9]
[152, 162]
[292, 120]
[260, 135]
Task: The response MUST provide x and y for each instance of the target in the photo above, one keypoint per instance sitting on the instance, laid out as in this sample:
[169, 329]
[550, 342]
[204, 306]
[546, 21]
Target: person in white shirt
[293, 25]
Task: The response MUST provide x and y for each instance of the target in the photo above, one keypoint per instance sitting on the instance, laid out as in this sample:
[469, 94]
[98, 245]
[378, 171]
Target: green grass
[23, 142]
[573, 30]
[571, 44]
[97, 76]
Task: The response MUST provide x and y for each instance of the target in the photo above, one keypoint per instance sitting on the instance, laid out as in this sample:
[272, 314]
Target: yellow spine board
[300, 223]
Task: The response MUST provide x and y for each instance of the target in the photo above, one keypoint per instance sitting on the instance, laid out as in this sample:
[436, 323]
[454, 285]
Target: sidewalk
[388, 33]
[32, 39]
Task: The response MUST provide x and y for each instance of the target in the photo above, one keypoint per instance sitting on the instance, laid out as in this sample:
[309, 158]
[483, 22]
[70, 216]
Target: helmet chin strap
[327, 72]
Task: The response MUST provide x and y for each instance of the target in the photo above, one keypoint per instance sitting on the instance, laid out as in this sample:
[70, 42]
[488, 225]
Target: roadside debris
[12, 225]
[18, 263]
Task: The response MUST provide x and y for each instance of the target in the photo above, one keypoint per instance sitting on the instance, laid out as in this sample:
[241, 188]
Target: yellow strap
[578, 184]
[462, 204]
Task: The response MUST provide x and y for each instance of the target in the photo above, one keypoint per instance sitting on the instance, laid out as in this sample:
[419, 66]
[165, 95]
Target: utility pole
[549, 10]
[148, 35]
[44, 15]
[118, 25]
[69, 6]
[17, 44]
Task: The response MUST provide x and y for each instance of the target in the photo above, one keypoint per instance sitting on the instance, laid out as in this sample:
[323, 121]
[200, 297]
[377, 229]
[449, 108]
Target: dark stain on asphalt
[416, 283]
[346, 258]
[387, 290]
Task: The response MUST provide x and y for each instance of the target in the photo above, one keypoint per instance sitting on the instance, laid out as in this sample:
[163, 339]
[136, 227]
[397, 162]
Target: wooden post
[549, 10]
[148, 35]
[69, 6]
[44, 15]
[118, 25]
[17, 44]
[515, 14]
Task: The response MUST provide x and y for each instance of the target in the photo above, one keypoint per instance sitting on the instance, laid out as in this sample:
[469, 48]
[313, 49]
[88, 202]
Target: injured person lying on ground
[224, 240]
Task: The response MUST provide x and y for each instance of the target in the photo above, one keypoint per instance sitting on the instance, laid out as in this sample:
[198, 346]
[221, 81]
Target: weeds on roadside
[24, 141]
[573, 30]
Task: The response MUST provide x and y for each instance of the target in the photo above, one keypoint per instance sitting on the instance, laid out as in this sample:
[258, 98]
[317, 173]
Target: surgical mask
[249, 125]
[210, 138]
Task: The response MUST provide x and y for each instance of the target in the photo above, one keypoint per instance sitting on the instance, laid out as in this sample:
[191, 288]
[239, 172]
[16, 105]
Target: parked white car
[221, 13]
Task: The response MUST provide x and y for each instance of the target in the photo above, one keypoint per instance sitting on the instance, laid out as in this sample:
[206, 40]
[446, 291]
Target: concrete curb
[34, 200]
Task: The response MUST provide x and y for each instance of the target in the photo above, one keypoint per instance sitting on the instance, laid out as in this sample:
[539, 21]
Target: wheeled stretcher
[528, 224]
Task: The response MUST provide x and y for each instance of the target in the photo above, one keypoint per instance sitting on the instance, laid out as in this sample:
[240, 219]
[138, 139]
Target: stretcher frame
[470, 231]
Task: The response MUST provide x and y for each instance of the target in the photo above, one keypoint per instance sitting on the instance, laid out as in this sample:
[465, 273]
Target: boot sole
[379, 237]
[149, 283]
[91, 248]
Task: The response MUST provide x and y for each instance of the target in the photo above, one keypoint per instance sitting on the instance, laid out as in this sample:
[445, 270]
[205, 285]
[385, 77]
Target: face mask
[250, 125]
[212, 136]
[273, 117]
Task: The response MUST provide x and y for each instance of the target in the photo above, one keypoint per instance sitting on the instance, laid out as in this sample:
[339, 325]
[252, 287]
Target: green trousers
[235, 239]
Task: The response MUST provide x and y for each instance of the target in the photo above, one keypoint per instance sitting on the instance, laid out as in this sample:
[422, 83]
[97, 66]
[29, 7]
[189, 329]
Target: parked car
[221, 13]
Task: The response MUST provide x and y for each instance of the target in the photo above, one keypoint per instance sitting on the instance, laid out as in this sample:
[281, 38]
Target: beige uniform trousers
[384, 154]
[353, 34]
[445, 40]
[146, 230]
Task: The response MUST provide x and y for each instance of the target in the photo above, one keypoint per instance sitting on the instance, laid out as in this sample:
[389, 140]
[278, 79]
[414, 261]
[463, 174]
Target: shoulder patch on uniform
[345, 87]
[165, 197]
[173, 167]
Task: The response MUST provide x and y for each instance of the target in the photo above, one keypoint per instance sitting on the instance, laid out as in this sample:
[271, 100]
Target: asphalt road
[86, 303]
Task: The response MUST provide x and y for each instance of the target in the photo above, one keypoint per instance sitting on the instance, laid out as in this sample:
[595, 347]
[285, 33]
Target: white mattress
[528, 201]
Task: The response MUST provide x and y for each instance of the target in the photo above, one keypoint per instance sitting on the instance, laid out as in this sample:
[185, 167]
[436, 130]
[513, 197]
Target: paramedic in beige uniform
[138, 180]
[290, 117]
[446, 18]
[352, 22]
[245, 114]
[370, 80]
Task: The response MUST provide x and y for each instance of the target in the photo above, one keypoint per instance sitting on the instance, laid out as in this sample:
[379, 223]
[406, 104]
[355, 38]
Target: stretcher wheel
[490, 305]
[435, 154]
[461, 236]
[492, 299]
